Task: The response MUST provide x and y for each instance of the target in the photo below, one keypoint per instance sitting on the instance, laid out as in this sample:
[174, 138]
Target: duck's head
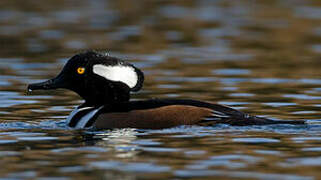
[98, 78]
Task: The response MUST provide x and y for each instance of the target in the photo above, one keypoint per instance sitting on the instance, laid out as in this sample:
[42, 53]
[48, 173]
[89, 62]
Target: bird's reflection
[119, 141]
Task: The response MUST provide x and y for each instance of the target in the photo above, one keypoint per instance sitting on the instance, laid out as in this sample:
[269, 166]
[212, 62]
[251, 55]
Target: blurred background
[260, 56]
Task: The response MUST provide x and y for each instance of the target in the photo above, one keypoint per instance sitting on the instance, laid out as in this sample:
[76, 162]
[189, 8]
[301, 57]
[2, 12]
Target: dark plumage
[105, 84]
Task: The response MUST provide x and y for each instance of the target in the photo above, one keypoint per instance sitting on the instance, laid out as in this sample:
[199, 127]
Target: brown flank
[157, 118]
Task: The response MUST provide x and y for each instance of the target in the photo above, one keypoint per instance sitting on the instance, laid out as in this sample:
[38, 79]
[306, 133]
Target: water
[262, 57]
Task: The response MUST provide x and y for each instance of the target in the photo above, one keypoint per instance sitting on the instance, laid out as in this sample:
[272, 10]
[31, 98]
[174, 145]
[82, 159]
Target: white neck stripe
[82, 121]
[74, 112]
[85, 119]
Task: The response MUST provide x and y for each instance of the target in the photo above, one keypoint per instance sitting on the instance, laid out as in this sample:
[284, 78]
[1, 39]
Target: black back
[156, 103]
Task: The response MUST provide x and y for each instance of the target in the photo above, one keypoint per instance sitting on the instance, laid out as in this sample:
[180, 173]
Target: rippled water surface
[262, 57]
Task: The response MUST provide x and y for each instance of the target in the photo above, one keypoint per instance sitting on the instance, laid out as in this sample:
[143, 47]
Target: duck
[106, 83]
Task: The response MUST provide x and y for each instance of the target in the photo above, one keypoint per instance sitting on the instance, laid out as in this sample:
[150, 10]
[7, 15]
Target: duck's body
[162, 113]
[105, 84]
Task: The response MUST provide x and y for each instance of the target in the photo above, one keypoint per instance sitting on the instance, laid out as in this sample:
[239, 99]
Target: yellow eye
[81, 70]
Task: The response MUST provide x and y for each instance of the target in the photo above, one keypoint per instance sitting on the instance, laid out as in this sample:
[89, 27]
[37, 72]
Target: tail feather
[250, 120]
[254, 120]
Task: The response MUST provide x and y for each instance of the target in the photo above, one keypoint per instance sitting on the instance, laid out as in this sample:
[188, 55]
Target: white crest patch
[124, 74]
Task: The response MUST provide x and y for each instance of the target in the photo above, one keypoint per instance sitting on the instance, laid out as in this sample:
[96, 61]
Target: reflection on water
[262, 57]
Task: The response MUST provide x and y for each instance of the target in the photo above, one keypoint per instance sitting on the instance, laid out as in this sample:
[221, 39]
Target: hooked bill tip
[46, 85]
[29, 90]
[35, 86]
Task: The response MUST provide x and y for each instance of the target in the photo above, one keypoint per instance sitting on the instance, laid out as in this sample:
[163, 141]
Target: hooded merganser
[105, 83]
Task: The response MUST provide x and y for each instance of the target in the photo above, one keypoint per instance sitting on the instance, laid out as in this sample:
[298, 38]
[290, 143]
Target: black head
[97, 78]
